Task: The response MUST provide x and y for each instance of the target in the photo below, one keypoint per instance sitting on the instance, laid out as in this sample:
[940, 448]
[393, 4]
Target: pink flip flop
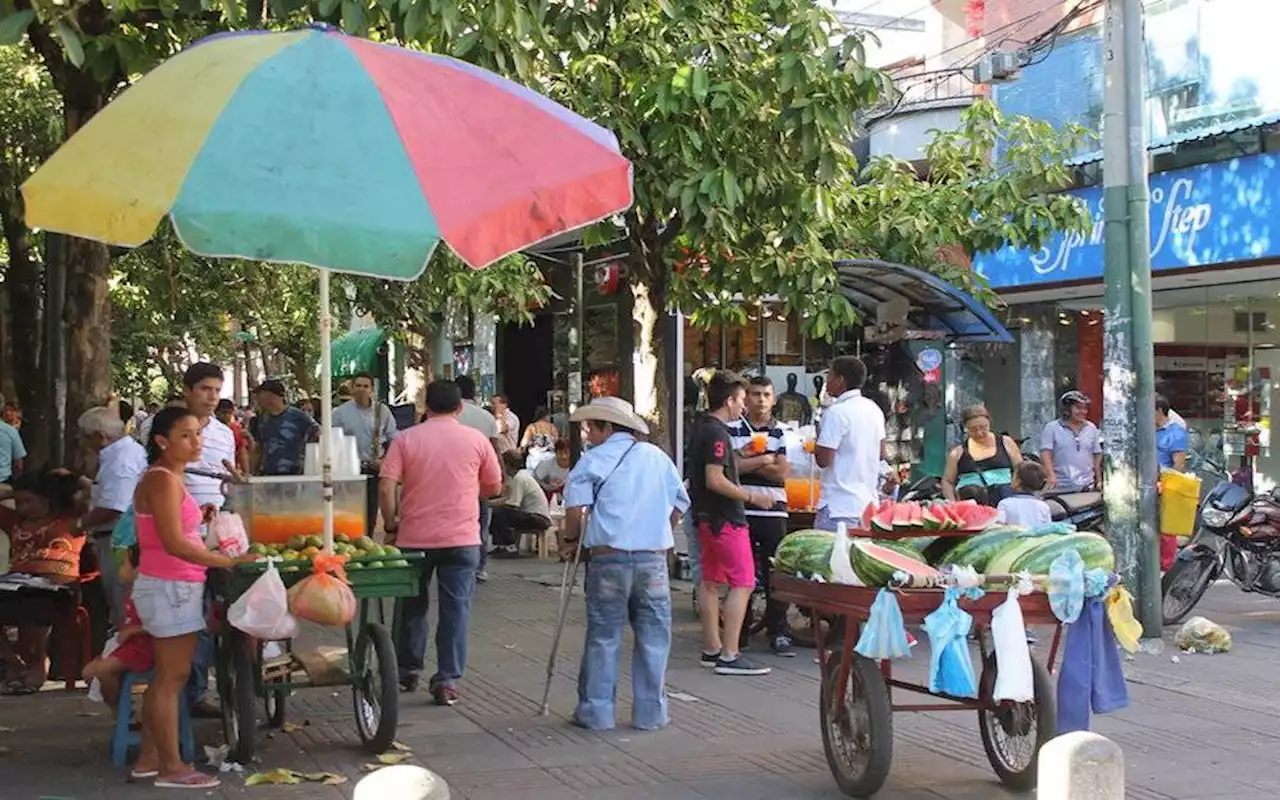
[192, 779]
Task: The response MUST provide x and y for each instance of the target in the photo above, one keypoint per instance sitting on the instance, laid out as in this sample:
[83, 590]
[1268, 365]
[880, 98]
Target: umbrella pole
[326, 412]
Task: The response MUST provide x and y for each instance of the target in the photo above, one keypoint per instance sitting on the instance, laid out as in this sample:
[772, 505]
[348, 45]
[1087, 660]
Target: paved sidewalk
[1198, 726]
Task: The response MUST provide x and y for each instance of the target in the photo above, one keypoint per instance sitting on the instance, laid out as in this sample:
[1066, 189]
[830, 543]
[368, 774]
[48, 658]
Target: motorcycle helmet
[1070, 399]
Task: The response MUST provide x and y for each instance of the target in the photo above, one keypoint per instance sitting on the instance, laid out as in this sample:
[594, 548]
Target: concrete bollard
[402, 782]
[1080, 766]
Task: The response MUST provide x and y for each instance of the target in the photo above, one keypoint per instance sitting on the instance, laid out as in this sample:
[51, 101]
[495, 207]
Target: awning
[356, 352]
[935, 304]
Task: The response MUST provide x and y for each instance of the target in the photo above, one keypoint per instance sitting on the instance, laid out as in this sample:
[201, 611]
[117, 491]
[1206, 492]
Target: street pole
[576, 367]
[1129, 379]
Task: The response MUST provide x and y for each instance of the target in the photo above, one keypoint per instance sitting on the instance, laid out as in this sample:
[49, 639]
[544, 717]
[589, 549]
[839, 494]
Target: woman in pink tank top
[169, 591]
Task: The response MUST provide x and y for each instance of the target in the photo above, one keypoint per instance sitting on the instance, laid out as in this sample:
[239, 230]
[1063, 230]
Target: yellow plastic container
[1179, 499]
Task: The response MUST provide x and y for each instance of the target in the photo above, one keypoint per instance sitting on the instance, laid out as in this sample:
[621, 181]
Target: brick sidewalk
[1198, 727]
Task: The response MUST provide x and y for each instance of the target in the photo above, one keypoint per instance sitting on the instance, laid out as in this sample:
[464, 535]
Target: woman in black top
[984, 464]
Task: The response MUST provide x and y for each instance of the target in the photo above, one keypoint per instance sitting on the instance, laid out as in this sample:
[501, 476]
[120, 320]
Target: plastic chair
[123, 738]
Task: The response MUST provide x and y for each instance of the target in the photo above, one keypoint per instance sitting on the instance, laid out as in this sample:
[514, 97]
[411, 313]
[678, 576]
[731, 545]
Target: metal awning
[935, 305]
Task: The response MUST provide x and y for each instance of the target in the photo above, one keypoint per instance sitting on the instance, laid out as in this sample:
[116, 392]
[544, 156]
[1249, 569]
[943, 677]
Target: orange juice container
[759, 441]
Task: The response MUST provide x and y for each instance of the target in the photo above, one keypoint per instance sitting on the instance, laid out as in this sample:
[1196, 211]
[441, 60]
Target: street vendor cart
[857, 698]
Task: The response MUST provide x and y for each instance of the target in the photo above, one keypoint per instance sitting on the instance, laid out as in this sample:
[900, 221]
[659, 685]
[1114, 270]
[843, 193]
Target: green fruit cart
[250, 670]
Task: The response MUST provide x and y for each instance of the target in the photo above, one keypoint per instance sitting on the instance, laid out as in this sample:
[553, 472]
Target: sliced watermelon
[955, 522]
[917, 515]
[883, 520]
[933, 519]
[902, 515]
[875, 564]
[979, 518]
[867, 514]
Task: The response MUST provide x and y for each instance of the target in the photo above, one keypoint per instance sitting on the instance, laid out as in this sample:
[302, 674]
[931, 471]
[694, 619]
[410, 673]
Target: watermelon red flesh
[867, 514]
[875, 564]
[902, 515]
[933, 520]
[977, 518]
[917, 516]
[883, 520]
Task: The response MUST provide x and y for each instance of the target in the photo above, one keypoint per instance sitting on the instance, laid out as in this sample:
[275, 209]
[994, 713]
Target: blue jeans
[455, 570]
[486, 516]
[823, 521]
[626, 587]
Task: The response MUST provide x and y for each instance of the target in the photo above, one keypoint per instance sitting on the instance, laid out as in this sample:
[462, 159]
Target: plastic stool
[123, 738]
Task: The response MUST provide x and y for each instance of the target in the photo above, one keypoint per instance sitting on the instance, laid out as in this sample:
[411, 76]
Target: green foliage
[30, 123]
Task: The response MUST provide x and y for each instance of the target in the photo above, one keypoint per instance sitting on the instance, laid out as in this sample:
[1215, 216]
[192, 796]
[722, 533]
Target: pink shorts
[727, 557]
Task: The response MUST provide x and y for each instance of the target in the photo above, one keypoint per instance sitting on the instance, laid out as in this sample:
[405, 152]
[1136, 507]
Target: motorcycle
[1085, 510]
[1238, 537]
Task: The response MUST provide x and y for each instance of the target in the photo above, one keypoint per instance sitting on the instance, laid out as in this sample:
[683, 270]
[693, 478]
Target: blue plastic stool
[123, 738]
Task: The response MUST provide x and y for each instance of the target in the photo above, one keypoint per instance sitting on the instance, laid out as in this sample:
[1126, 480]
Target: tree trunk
[24, 280]
[649, 383]
[88, 321]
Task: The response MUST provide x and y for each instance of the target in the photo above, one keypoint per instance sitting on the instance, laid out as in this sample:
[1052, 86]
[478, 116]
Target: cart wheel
[239, 722]
[375, 688]
[857, 734]
[273, 703]
[1013, 733]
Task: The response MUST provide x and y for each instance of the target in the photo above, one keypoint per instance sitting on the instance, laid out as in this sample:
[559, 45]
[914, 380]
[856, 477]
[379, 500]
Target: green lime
[315, 540]
[257, 549]
[398, 563]
[354, 565]
[291, 555]
[376, 565]
[341, 538]
[296, 542]
[391, 550]
[365, 543]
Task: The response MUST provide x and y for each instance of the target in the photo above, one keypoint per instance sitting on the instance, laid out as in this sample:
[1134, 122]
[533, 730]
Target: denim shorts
[169, 608]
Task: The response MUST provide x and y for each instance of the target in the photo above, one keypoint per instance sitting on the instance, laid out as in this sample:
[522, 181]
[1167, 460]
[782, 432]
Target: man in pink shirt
[432, 480]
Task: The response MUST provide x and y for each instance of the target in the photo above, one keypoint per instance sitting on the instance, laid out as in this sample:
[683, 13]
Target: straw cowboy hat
[613, 410]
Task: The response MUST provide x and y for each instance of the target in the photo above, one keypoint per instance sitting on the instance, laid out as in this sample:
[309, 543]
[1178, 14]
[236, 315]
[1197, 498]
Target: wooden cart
[858, 697]
[246, 675]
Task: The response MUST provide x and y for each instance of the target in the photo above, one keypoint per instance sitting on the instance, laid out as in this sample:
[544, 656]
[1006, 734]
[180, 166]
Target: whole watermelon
[977, 551]
[1095, 551]
[806, 553]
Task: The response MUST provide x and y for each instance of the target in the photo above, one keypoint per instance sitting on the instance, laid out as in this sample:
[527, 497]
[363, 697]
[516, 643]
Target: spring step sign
[1209, 214]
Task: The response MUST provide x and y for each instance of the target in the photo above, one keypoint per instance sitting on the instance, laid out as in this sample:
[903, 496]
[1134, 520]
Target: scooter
[1238, 537]
[1085, 510]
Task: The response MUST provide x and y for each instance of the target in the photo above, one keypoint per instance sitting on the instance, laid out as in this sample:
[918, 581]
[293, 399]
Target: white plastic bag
[263, 610]
[95, 686]
[841, 569]
[226, 532]
[1013, 657]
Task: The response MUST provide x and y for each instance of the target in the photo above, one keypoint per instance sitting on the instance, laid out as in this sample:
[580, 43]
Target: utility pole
[1129, 380]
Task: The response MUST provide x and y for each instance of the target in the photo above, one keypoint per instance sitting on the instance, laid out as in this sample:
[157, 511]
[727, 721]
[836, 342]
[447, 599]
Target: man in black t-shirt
[758, 439]
[718, 507]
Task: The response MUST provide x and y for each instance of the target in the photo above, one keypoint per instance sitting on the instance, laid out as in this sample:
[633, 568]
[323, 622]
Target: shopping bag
[324, 597]
[263, 610]
[1127, 630]
[226, 533]
[1066, 586]
[1013, 657]
[883, 634]
[951, 663]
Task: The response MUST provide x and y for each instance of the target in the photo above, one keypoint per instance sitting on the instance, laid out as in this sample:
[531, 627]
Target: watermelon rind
[917, 516]
[933, 520]
[1004, 560]
[806, 553]
[883, 521]
[1095, 551]
[874, 564]
[978, 551]
[902, 546]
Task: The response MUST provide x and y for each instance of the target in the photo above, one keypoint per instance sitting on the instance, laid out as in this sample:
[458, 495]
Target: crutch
[566, 593]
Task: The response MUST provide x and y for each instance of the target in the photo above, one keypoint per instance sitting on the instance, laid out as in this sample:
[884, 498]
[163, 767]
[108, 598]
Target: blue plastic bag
[125, 532]
[951, 664]
[883, 634]
[1066, 586]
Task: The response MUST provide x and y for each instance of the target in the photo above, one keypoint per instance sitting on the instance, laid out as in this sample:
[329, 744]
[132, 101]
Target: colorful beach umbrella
[319, 148]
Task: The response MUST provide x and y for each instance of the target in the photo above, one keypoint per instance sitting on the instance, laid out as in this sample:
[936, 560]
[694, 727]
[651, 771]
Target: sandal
[20, 688]
[191, 779]
[143, 774]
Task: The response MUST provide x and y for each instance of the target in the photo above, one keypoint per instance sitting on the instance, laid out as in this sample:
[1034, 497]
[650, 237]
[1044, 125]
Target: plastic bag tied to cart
[951, 664]
[884, 635]
[1066, 586]
[324, 597]
[1120, 614]
[263, 610]
[1014, 678]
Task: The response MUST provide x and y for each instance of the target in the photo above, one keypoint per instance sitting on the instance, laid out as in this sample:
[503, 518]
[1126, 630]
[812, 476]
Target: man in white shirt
[508, 424]
[849, 447]
[473, 416]
[121, 462]
[359, 417]
[202, 389]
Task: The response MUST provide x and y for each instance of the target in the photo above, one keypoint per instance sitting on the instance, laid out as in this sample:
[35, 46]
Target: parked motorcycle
[1085, 510]
[1238, 537]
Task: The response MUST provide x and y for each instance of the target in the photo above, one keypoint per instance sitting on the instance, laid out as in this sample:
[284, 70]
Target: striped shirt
[741, 431]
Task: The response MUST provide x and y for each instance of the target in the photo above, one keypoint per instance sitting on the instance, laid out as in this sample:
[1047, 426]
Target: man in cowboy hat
[635, 495]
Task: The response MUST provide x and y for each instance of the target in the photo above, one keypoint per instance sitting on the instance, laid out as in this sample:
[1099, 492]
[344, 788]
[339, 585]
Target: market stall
[317, 148]
[961, 578]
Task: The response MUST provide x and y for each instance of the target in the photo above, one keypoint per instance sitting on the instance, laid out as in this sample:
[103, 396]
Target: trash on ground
[1199, 635]
[402, 747]
[687, 698]
[275, 777]
[392, 758]
[290, 727]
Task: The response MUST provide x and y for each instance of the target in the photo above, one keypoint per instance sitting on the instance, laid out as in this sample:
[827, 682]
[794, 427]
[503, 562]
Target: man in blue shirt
[635, 495]
[12, 453]
[283, 432]
[1171, 439]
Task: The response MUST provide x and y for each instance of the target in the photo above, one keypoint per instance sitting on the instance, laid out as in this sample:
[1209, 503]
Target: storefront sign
[1210, 214]
[929, 359]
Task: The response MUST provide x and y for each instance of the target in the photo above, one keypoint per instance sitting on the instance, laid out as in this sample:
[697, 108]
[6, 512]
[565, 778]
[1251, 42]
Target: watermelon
[869, 513]
[920, 542]
[977, 518]
[1002, 562]
[874, 564]
[901, 515]
[902, 546]
[917, 516]
[1094, 550]
[806, 553]
[978, 551]
[883, 520]
[934, 518]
